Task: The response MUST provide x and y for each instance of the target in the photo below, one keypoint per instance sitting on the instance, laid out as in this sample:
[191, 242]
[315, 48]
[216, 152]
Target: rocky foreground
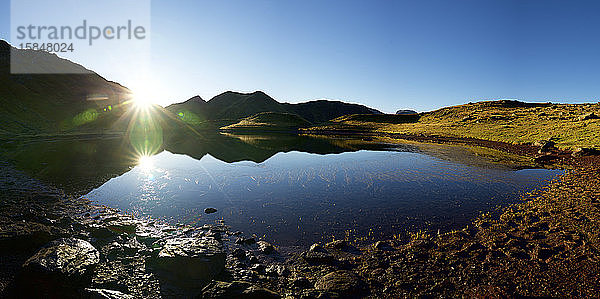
[55, 246]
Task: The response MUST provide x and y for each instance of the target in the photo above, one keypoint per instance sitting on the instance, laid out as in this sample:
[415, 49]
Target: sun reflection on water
[146, 163]
[146, 166]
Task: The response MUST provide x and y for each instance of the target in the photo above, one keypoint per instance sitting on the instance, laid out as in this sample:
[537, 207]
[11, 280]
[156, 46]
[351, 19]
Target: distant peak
[4, 45]
[229, 94]
[197, 99]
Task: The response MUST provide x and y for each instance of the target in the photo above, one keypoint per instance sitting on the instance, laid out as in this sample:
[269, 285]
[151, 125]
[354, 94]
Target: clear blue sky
[385, 54]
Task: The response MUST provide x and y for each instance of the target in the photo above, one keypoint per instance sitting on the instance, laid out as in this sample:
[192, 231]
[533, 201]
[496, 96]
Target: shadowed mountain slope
[52, 103]
[234, 106]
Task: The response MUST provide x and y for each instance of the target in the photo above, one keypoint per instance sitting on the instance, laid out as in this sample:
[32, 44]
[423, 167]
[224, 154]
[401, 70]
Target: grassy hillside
[234, 106]
[569, 125]
[270, 121]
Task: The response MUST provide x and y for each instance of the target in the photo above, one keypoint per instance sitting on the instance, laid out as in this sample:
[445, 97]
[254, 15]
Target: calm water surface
[296, 198]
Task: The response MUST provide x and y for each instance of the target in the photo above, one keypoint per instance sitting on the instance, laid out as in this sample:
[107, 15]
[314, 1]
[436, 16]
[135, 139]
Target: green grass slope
[569, 125]
[269, 121]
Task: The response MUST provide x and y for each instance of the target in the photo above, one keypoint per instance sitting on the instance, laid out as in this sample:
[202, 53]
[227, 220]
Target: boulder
[245, 241]
[58, 270]
[383, 245]
[337, 244]
[317, 248]
[317, 254]
[265, 247]
[189, 263]
[68, 256]
[210, 210]
[345, 283]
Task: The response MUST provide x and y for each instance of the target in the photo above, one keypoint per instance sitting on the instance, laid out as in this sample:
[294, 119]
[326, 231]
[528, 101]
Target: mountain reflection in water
[293, 190]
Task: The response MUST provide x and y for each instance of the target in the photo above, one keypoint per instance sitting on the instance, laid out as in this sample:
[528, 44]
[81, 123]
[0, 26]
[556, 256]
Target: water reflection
[291, 189]
[80, 164]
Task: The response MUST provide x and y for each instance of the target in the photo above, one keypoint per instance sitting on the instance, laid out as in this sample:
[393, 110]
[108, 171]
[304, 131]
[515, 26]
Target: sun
[141, 101]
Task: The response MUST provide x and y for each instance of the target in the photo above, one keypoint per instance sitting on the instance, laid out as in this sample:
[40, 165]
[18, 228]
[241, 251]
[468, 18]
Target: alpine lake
[287, 189]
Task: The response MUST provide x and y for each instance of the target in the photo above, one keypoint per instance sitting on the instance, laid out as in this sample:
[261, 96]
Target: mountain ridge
[235, 106]
[34, 104]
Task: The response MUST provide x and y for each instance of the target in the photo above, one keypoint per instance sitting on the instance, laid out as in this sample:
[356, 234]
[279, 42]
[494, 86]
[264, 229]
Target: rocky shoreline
[53, 245]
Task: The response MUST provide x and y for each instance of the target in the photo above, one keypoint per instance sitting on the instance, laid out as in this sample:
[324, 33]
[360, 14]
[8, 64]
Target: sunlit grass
[495, 121]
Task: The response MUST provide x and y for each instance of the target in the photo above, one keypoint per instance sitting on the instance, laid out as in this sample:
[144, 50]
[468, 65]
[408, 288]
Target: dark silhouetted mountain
[81, 102]
[51, 103]
[235, 106]
[324, 110]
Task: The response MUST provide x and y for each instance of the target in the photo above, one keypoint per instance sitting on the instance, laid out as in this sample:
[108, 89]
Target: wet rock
[189, 263]
[338, 244]
[318, 255]
[107, 294]
[68, 256]
[245, 241]
[345, 283]
[316, 248]
[123, 248]
[265, 247]
[236, 289]
[120, 224]
[59, 269]
[210, 210]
